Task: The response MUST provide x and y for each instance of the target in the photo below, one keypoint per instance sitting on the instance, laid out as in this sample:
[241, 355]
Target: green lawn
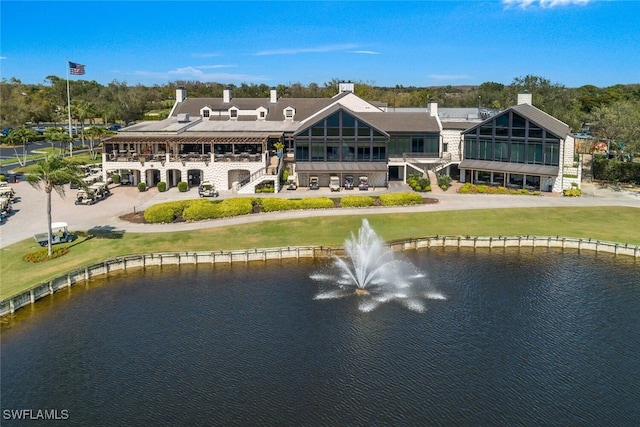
[617, 224]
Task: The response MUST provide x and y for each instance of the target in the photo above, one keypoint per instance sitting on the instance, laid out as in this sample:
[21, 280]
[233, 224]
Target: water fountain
[376, 274]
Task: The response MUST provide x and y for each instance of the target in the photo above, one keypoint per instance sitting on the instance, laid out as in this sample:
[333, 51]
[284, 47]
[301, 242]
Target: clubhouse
[242, 144]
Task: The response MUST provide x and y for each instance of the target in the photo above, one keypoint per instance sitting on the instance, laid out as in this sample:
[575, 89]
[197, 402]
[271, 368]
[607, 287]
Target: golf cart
[85, 197]
[207, 189]
[348, 182]
[5, 205]
[334, 183]
[364, 183]
[100, 189]
[7, 191]
[291, 182]
[313, 183]
[59, 234]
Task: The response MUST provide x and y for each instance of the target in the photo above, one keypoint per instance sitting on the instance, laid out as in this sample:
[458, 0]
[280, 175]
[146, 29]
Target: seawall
[33, 294]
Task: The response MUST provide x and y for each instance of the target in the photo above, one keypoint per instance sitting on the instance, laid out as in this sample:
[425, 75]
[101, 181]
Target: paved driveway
[29, 215]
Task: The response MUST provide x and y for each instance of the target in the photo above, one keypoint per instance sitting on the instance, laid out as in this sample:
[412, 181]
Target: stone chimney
[181, 94]
[432, 108]
[226, 96]
[524, 98]
[273, 98]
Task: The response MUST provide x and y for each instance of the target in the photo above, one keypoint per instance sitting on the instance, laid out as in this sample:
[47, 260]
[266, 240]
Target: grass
[617, 224]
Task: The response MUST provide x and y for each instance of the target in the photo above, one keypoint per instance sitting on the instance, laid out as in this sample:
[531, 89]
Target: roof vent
[183, 118]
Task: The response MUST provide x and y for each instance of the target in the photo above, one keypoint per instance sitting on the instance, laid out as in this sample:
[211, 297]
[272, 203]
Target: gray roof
[535, 115]
[543, 120]
[519, 168]
[304, 107]
[402, 122]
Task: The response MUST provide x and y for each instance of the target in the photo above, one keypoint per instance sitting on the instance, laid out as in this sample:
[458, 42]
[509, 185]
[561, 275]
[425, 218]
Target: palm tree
[95, 132]
[54, 171]
[22, 136]
[55, 134]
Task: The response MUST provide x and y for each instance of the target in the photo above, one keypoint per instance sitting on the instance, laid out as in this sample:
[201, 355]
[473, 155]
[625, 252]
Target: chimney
[524, 98]
[181, 94]
[432, 108]
[273, 98]
[345, 87]
[226, 96]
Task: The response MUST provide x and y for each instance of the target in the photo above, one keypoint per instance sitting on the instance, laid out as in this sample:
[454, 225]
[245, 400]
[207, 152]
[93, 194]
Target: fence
[31, 295]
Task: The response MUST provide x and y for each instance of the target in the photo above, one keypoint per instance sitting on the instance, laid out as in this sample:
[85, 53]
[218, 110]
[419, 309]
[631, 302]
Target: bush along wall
[183, 186]
[162, 186]
[142, 187]
[616, 171]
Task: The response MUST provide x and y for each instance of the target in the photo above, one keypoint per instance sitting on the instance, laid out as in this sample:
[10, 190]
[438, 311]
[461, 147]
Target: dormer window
[288, 113]
[205, 112]
[233, 113]
[261, 113]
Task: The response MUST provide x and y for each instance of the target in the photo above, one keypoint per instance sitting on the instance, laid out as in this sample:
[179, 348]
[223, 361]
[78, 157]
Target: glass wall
[512, 138]
[341, 137]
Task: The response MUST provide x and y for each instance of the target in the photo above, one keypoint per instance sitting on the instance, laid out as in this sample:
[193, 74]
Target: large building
[236, 142]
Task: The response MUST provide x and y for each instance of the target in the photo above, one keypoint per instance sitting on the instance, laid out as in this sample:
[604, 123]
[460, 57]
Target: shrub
[616, 171]
[444, 182]
[400, 199]
[284, 176]
[162, 186]
[115, 178]
[233, 207]
[142, 187]
[573, 192]
[165, 212]
[43, 254]
[356, 201]
[3, 178]
[274, 204]
[199, 210]
[315, 203]
[419, 183]
[183, 186]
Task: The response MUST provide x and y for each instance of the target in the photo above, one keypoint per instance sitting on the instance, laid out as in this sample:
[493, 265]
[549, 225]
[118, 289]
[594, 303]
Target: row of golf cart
[334, 183]
[7, 198]
[92, 194]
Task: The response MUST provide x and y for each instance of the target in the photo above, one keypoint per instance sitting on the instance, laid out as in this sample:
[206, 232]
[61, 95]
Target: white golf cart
[334, 183]
[59, 234]
[207, 189]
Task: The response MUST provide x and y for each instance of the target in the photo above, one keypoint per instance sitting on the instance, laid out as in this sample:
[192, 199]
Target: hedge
[209, 209]
[400, 199]
[356, 201]
[616, 171]
[165, 212]
[275, 204]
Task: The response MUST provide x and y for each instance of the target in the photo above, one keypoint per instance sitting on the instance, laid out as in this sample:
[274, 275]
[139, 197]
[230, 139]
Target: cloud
[295, 51]
[364, 52]
[548, 4]
[205, 55]
[199, 73]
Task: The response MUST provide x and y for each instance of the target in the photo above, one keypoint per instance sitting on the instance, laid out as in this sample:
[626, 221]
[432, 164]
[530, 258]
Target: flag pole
[69, 111]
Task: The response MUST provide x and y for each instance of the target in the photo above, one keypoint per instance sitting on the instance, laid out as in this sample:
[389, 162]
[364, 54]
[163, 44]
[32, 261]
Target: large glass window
[470, 148]
[534, 154]
[379, 152]
[317, 151]
[318, 130]
[517, 152]
[302, 152]
[501, 152]
[364, 153]
[417, 144]
[552, 154]
[348, 151]
[433, 146]
[333, 151]
[484, 152]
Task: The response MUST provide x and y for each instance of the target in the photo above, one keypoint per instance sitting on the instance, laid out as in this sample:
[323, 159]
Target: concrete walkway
[29, 215]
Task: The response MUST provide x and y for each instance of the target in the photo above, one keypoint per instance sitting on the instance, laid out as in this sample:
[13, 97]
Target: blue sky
[423, 43]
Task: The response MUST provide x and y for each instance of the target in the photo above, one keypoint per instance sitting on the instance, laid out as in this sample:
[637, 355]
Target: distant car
[39, 130]
[114, 127]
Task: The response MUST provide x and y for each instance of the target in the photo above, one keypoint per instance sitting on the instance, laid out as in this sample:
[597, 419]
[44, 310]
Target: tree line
[610, 112]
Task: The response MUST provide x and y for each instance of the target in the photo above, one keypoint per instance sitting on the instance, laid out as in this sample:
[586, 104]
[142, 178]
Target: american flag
[75, 68]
